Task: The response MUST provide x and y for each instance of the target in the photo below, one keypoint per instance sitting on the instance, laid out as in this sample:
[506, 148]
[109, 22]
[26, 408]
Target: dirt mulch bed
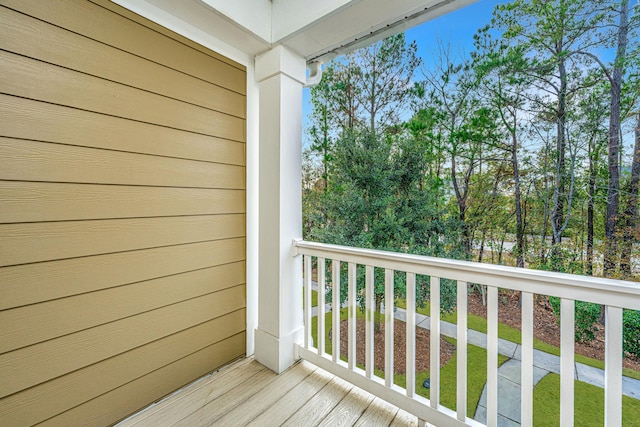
[545, 325]
[399, 356]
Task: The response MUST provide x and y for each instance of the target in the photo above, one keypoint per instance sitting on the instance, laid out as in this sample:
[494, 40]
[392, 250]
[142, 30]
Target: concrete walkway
[509, 372]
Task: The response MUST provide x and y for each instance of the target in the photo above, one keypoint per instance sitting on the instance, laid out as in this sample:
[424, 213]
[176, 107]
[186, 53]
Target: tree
[505, 86]
[381, 199]
[613, 190]
[593, 111]
[384, 84]
[553, 35]
[463, 127]
[630, 216]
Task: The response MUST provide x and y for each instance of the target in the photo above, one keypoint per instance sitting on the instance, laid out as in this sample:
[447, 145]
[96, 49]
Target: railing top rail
[585, 288]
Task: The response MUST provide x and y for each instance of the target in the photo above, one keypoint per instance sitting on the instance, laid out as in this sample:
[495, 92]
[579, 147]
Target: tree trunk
[591, 206]
[461, 197]
[613, 190]
[631, 212]
[519, 224]
[481, 253]
[557, 216]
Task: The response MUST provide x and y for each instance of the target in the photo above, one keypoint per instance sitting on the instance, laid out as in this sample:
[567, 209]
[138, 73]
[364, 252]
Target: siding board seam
[53, 64]
[167, 33]
[130, 119]
[194, 187]
[235, 285]
[236, 66]
[127, 250]
[150, 372]
[119, 218]
[163, 156]
[139, 347]
[243, 260]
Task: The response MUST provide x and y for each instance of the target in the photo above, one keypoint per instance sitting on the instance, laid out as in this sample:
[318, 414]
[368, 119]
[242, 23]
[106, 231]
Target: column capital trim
[280, 60]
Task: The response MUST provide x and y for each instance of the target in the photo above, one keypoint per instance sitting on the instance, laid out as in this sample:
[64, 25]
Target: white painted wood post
[322, 283]
[389, 328]
[492, 356]
[370, 319]
[352, 316]
[335, 309]
[613, 367]
[567, 360]
[411, 334]
[280, 74]
[526, 403]
[461, 335]
[308, 340]
[434, 338]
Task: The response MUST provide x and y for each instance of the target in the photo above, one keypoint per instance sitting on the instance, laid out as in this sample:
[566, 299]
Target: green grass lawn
[476, 369]
[478, 323]
[314, 298]
[476, 378]
[589, 404]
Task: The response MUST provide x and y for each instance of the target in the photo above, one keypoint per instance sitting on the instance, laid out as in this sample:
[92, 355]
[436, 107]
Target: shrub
[631, 332]
[586, 317]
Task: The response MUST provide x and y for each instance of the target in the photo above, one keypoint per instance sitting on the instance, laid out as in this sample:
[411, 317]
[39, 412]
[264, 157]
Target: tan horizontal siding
[161, 382]
[54, 358]
[41, 161]
[23, 201]
[64, 48]
[85, 348]
[125, 383]
[40, 121]
[122, 228]
[110, 5]
[21, 285]
[36, 242]
[110, 28]
[23, 326]
[33, 79]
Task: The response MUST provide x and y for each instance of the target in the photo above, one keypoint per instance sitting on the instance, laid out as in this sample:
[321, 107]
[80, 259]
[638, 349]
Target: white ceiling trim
[317, 30]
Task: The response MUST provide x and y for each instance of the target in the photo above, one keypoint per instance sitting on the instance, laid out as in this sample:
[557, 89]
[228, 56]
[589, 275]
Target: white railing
[614, 294]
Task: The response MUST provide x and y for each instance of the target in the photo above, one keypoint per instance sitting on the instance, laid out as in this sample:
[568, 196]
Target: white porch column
[280, 74]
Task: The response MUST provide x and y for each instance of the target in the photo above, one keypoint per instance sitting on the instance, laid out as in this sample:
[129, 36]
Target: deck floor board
[246, 393]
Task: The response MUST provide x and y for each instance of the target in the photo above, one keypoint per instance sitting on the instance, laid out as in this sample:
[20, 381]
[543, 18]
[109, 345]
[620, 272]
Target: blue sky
[456, 28]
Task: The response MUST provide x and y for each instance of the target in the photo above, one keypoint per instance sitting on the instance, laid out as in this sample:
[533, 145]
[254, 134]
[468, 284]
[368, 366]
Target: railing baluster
[613, 367]
[352, 315]
[370, 313]
[335, 309]
[492, 356]
[411, 334]
[617, 295]
[526, 372]
[388, 327]
[434, 334]
[307, 301]
[567, 347]
[461, 335]
[321, 288]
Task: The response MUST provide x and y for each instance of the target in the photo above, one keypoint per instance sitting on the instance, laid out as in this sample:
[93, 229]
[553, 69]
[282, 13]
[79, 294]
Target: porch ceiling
[317, 30]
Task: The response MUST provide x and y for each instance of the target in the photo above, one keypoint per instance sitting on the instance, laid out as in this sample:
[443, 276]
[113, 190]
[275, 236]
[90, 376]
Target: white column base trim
[275, 353]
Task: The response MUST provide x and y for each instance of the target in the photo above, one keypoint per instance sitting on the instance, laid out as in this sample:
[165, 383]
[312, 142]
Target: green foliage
[561, 258]
[587, 315]
[631, 332]
[376, 203]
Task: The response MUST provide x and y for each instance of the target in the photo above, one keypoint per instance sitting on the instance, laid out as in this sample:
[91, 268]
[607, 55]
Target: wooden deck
[247, 393]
